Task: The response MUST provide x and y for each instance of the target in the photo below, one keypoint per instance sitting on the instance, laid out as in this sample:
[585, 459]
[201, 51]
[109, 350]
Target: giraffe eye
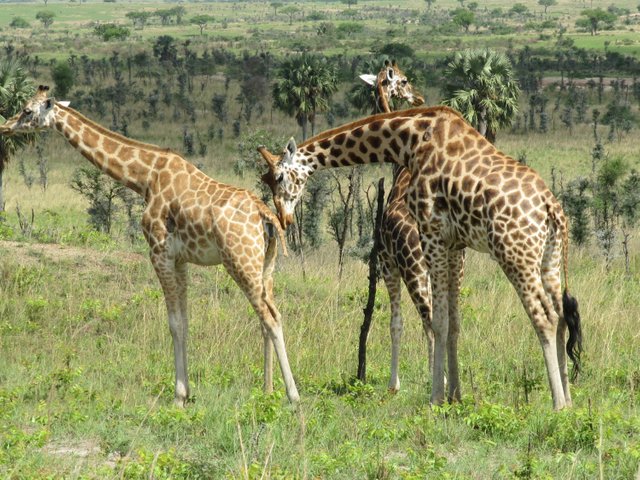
[404, 82]
[279, 177]
[27, 111]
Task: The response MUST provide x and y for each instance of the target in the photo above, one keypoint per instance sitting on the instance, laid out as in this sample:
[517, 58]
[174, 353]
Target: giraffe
[189, 218]
[462, 192]
[400, 255]
[390, 83]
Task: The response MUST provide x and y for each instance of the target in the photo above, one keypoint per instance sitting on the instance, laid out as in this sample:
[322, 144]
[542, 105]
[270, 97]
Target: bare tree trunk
[373, 277]
[1, 187]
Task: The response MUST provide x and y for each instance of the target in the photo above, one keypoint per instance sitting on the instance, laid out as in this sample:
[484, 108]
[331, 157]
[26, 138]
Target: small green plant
[262, 407]
[493, 419]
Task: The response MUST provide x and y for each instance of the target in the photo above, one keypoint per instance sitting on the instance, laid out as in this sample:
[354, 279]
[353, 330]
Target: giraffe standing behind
[401, 257]
[189, 218]
[463, 192]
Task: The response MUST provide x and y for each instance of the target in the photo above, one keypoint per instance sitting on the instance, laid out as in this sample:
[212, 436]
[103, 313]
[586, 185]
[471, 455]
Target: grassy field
[86, 368]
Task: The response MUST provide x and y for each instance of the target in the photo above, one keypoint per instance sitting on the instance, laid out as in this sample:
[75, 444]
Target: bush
[111, 31]
[19, 22]
[63, 77]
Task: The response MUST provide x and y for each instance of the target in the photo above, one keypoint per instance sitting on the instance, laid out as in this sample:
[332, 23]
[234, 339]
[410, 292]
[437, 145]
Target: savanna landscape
[86, 359]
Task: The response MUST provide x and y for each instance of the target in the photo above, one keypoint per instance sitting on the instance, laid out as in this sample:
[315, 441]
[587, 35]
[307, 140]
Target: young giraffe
[463, 192]
[189, 218]
[390, 83]
[400, 255]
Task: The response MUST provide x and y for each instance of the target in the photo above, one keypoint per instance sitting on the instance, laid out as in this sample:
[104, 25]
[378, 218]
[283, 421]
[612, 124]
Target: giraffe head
[394, 84]
[36, 115]
[287, 179]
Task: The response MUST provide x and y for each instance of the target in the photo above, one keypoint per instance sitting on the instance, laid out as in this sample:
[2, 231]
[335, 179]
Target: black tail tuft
[574, 343]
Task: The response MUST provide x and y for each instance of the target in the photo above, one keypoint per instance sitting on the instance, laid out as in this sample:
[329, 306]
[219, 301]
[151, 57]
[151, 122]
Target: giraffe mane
[105, 131]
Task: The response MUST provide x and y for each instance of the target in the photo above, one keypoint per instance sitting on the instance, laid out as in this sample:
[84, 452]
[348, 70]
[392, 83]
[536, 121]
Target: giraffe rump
[574, 343]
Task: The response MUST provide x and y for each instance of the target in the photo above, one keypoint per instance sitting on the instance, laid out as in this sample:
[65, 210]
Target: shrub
[111, 31]
[19, 22]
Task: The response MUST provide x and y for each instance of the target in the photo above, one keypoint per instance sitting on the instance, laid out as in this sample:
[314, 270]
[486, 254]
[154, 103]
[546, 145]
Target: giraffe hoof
[393, 390]
[180, 402]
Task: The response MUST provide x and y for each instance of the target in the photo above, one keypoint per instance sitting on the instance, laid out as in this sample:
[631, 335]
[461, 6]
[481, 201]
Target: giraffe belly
[196, 252]
[208, 256]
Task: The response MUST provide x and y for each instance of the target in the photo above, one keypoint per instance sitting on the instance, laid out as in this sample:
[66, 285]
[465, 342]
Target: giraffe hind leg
[251, 281]
[546, 322]
[456, 272]
[391, 277]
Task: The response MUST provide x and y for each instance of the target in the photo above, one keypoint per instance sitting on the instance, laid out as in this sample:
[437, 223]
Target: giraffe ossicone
[188, 218]
[462, 193]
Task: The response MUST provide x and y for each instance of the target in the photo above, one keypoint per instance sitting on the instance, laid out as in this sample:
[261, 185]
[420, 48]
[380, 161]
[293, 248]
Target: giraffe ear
[64, 103]
[368, 78]
[291, 147]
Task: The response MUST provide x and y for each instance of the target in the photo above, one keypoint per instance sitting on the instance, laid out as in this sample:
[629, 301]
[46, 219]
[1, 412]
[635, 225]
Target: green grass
[86, 365]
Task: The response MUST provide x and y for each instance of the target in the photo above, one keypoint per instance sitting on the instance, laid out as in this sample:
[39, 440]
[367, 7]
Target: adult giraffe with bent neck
[463, 192]
[189, 218]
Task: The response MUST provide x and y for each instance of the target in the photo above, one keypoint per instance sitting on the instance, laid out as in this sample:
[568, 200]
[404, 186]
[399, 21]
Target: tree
[481, 85]
[164, 49]
[519, 9]
[290, 11]
[305, 85]
[63, 77]
[396, 50]
[165, 15]
[463, 18]
[139, 19]
[202, 20]
[429, 4]
[46, 18]
[595, 19]
[547, 3]
[178, 12]
[620, 119]
[15, 90]
[348, 28]
[276, 6]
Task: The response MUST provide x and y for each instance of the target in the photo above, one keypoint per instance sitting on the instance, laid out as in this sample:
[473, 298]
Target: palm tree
[15, 90]
[480, 84]
[306, 83]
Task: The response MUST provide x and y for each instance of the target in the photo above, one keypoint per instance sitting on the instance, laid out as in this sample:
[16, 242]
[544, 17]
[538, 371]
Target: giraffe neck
[394, 137]
[382, 100]
[127, 161]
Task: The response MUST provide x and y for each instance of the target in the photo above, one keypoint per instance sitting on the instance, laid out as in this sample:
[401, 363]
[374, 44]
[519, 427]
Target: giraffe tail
[569, 303]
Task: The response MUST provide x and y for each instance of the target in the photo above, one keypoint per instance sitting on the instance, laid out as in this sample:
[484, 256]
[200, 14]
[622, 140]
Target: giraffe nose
[288, 220]
[5, 130]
